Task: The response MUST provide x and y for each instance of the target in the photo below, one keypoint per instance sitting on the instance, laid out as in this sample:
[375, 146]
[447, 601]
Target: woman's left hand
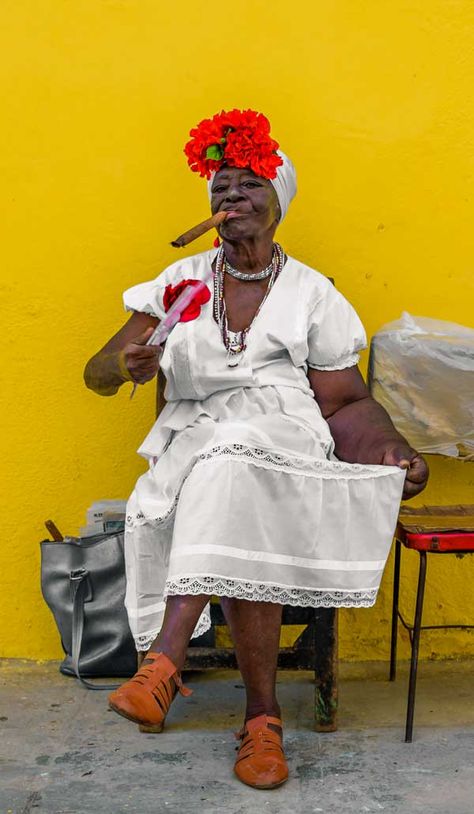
[417, 469]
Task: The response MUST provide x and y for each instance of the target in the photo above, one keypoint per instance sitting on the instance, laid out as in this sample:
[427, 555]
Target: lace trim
[145, 641]
[162, 520]
[262, 592]
[322, 466]
[329, 470]
[203, 625]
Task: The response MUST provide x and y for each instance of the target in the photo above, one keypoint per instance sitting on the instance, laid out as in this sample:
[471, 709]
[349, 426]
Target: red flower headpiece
[238, 138]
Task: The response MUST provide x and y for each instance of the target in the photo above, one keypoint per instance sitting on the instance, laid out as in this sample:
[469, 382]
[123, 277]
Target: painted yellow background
[374, 103]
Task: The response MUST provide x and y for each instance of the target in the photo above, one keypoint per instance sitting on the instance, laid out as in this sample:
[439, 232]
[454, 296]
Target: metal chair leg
[415, 647]
[396, 592]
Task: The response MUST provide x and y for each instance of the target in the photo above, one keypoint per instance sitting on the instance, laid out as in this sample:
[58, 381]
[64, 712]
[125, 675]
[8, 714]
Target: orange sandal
[261, 761]
[147, 697]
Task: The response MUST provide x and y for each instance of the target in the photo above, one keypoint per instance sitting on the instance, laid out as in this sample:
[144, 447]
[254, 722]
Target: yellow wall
[372, 100]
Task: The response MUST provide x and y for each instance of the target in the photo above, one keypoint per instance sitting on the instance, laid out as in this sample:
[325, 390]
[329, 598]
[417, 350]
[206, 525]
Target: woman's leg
[255, 630]
[181, 616]
[147, 697]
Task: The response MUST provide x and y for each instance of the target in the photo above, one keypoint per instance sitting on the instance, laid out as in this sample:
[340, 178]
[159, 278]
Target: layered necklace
[236, 341]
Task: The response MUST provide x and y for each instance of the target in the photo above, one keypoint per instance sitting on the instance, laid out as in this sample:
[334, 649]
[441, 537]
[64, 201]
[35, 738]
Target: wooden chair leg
[325, 669]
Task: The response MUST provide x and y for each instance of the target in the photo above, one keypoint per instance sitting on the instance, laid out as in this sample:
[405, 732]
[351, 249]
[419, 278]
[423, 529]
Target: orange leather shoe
[261, 761]
[147, 697]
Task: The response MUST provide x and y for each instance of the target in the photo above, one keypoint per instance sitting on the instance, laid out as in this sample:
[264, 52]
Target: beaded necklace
[248, 278]
[235, 342]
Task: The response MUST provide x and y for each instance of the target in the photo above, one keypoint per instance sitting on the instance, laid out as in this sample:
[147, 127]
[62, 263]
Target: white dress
[244, 496]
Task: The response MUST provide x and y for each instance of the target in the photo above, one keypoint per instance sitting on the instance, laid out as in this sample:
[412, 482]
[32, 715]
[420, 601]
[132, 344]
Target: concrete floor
[63, 752]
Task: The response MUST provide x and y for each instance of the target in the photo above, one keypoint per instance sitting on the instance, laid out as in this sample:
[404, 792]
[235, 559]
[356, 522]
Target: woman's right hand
[125, 357]
[141, 360]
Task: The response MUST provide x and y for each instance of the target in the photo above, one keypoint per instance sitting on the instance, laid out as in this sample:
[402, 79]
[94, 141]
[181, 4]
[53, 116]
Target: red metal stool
[433, 530]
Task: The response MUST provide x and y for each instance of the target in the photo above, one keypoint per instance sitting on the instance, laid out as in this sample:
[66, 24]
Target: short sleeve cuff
[146, 298]
[341, 364]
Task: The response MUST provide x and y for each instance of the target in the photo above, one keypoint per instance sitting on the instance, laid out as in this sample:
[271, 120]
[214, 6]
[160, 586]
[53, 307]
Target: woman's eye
[216, 190]
[251, 184]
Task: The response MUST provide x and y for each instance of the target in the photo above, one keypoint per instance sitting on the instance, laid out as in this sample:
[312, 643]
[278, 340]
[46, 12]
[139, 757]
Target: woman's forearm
[106, 372]
[362, 432]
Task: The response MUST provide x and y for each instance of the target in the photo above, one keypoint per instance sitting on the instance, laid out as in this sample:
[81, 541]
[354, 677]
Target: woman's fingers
[414, 464]
[411, 489]
[417, 476]
[418, 471]
[142, 371]
[142, 351]
[142, 375]
[143, 338]
[142, 360]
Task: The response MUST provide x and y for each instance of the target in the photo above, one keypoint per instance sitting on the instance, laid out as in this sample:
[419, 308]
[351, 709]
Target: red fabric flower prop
[192, 310]
[238, 138]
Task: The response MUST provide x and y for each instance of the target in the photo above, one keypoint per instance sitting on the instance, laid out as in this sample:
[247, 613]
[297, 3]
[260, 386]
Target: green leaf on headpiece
[215, 152]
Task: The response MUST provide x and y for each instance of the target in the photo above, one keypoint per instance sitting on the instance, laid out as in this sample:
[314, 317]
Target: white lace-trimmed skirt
[245, 502]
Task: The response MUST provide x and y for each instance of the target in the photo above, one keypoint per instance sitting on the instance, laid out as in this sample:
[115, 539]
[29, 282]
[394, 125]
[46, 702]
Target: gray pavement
[63, 752]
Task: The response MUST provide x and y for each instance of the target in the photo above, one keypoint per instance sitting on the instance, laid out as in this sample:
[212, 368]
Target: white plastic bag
[422, 371]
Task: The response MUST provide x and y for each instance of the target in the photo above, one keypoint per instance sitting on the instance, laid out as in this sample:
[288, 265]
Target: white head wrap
[284, 183]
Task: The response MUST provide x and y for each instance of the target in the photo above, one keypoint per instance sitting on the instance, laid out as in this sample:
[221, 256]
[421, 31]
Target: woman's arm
[125, 357]
[362, 430]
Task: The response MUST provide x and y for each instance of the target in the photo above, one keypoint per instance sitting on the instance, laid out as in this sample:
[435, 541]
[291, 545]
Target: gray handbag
[83, 583]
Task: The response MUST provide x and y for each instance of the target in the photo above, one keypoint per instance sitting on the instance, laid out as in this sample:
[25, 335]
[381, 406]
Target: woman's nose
[234, 193]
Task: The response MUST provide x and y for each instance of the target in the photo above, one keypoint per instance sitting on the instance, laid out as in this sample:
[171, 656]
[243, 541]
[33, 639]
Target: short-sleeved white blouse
[244, 496]
[305, 321]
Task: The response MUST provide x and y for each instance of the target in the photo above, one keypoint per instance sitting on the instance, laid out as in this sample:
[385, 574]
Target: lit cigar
[200, 229]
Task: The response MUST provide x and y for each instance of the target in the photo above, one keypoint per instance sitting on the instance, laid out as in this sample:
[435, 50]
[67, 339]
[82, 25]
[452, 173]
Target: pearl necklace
[236, 344]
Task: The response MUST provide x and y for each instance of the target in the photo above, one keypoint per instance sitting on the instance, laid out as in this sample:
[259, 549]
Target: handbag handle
[81, 592]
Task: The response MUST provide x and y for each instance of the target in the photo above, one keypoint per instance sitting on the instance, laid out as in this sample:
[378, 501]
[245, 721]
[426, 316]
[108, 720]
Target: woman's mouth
[232, 214]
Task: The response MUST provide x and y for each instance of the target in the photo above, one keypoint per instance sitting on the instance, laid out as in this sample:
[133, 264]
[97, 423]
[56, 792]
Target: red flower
[192, 310]
[238, 138]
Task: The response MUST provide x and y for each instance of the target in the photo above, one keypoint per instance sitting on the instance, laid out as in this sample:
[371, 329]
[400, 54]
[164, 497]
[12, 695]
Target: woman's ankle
[175, 655]
[256, 708]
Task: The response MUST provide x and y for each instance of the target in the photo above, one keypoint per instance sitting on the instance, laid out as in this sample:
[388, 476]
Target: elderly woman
[274, 477]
